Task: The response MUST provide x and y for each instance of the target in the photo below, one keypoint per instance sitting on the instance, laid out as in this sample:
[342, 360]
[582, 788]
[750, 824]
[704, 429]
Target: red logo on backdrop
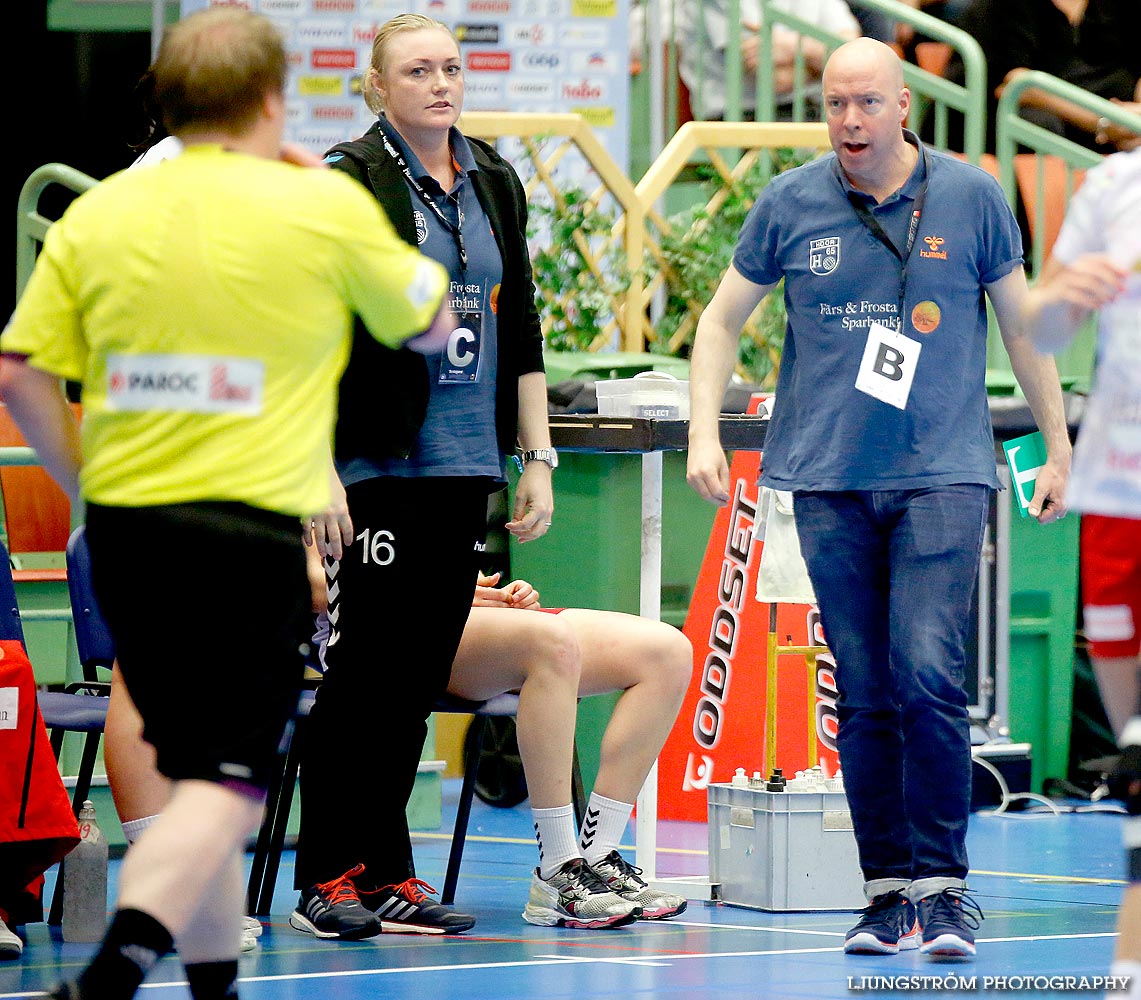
[494, 62]
[721, 725]
[334, 58]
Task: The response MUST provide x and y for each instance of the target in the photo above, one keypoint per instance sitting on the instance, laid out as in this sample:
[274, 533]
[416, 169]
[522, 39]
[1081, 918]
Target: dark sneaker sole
[299, 922]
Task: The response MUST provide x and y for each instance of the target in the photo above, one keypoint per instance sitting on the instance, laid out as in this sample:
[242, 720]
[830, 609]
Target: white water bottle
[85, 882]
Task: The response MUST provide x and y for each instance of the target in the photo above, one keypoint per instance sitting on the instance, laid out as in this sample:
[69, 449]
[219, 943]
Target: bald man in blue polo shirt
[881, 431]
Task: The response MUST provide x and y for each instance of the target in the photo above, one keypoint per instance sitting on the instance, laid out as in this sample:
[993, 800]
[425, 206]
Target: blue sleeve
[756, 254]
[1001, 239]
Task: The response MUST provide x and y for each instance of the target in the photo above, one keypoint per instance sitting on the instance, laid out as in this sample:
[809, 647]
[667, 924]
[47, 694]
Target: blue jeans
[894, 572]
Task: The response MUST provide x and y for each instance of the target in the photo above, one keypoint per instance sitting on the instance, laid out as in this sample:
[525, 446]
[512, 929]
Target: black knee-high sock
[213, 980]
[132, 944]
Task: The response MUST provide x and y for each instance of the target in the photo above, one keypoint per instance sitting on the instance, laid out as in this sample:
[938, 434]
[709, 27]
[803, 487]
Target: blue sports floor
[1049, 886]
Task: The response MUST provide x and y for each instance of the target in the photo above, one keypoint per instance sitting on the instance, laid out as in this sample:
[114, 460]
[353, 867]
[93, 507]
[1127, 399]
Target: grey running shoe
[625, 879]
[575, 896]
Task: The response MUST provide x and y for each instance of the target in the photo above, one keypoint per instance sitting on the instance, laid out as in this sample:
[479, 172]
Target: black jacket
[384, 392]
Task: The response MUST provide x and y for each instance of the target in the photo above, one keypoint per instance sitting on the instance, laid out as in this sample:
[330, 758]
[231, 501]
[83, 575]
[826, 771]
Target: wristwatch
[548, 455]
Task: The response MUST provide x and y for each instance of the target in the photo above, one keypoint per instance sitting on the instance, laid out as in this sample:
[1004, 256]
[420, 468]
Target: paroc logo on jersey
[333, 59]
[489, 62]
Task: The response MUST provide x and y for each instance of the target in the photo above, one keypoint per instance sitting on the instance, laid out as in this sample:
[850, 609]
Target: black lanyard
[872, 223]
[455, 229]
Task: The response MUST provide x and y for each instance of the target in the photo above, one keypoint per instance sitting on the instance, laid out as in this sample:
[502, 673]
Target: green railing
[1040, 170]
[657, 86]
[31, 226]
[929, 93]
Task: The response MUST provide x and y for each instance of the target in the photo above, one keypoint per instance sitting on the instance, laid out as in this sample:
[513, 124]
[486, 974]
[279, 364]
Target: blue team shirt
[457, 437]
[825, 434]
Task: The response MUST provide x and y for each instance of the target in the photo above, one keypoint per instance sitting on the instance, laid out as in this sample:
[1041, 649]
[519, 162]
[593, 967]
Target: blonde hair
[379, 59]
[215, 67]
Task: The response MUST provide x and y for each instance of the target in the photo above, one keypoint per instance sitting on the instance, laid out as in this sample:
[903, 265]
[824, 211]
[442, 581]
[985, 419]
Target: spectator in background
[1091, 44]
[703, 39]
[1094, 266]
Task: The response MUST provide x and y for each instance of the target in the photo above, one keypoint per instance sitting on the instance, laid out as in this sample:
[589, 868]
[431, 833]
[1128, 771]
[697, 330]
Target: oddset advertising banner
[721, 725]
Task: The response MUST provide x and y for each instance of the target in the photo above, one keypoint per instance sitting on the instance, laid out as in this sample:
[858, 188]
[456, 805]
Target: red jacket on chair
[37, 826]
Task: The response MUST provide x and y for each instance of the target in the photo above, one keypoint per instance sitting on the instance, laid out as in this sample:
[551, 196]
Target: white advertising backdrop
[537, 56]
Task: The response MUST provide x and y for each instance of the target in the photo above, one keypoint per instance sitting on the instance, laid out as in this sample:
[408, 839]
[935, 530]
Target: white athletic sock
[603, 826]
[134, 828]
[554, 830]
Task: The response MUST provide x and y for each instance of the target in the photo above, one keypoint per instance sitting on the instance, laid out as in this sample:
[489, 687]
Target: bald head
[869, 58]
[866, 104]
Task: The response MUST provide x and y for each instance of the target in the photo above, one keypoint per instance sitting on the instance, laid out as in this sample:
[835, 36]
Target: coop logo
[334, 112]
[333, 59]
[320, 86]
[585, 90]
[934, 242]
[824, 255]
[283, 8]
[489, 6]
[698, 773]
[548, 60]
[321, 34]
[334, 6]
[477, 34]
[531, 34]
[184, 382]
[531, 90]
[489, 62]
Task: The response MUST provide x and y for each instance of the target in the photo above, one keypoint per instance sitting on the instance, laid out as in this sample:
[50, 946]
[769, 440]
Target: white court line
[540, 961]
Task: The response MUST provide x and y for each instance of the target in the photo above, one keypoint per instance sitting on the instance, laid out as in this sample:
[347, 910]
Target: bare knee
[673, 660]
[556, 655]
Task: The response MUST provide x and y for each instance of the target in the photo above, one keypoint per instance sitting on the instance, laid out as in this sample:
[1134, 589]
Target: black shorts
[210, 609]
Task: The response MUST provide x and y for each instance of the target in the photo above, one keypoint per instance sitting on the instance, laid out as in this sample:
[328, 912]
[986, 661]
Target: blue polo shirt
[457, 437]
[825, 434]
